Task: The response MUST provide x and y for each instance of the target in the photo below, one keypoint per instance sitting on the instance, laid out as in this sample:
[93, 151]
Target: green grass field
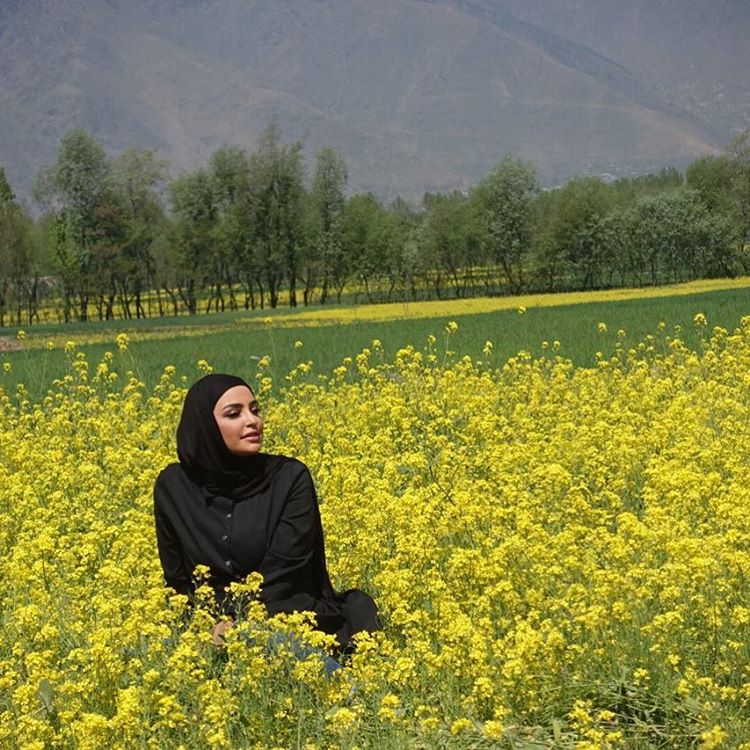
[234, 342]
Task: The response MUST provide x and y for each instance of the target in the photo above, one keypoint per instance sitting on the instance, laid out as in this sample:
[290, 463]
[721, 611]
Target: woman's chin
[247, 449]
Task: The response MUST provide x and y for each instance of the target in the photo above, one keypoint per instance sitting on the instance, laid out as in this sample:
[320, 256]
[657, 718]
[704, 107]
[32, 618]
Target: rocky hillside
[416, 94]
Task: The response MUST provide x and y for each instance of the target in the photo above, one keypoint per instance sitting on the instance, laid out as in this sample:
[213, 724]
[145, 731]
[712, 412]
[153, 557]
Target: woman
[237, 510]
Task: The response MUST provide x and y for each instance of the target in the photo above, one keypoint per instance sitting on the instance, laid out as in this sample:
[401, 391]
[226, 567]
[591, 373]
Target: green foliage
[633, 187]
[18, 269]
[6, 194]
[247, 224]
[673, 234]
[328, 199]
[572, 243]
[135, 178]
[504, 199]
[710, 177]
[365, 237]
[232, 247]
[276, 173]
[72, 190]
[194, 202]
[738, 156]
[451, 239]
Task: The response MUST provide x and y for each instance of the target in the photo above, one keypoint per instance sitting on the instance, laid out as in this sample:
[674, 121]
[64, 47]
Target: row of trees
[118, 239]
[19, 276]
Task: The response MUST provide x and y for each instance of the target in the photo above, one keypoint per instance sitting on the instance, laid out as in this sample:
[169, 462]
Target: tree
[328, 198]
[364, 235]
[106, 267]
[614, 246]
[310, 246]
[632, 188]
[738, 157]
[547, 266]
[71, 190]
[16, 257]
[134, 179]
[718, 249]
[276, 173]
[404, 262]
[675, 236]
[449, 240]
[504, 199]
[572, 245]
[710, 176]
[194, 203]
[6, 193]
[230, 169]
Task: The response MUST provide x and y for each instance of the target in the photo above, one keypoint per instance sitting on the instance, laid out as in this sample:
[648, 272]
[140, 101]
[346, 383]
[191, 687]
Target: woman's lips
[252, 437]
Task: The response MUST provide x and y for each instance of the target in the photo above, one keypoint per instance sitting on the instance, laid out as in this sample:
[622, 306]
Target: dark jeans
[302, 651]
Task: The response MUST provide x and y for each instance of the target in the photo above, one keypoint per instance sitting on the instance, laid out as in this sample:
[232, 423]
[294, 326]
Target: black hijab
[201, 449]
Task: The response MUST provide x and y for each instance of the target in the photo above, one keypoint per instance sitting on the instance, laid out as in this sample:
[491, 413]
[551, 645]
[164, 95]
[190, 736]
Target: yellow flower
[342, 719]
[699, 320]
[493, 730]
[713, 738]
[461, 725]
[521, 528]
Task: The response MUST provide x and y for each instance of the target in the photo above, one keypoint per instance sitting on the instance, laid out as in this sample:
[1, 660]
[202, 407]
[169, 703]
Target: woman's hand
[219, 631]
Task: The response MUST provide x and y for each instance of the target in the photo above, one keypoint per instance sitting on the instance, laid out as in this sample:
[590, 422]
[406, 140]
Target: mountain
[694, 55]
[415, 94]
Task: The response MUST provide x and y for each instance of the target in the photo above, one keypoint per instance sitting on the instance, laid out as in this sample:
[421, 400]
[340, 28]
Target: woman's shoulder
[172, 473]
[172, 479]
[286, 466]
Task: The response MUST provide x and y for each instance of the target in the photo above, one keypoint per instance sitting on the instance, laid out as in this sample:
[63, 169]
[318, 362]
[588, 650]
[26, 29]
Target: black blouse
[276, 532]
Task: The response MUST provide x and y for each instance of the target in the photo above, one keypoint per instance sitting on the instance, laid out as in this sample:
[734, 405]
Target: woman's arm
[171, 557]
[293, 569]
[170, 552]
[286, 565]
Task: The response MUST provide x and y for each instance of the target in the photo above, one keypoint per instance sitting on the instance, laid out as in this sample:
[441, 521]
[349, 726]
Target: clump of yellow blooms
[561, 557]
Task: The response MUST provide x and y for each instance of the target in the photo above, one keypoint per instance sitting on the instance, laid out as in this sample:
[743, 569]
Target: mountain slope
[416, 95]
[695, 54]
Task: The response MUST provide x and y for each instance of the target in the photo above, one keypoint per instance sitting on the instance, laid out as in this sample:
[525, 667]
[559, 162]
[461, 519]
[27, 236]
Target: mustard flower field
[561, 556]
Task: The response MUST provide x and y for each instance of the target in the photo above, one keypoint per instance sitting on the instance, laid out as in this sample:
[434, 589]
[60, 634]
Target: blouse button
[228, 563]
[229, 515]
[224, 537]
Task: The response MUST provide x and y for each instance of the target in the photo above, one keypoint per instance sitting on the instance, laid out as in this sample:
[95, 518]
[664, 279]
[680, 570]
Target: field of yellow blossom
[561, 556]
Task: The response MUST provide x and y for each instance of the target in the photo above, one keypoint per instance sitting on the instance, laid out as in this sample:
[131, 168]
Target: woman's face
[238, 415]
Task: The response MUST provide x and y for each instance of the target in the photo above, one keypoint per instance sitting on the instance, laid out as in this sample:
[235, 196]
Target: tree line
[252, 229]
